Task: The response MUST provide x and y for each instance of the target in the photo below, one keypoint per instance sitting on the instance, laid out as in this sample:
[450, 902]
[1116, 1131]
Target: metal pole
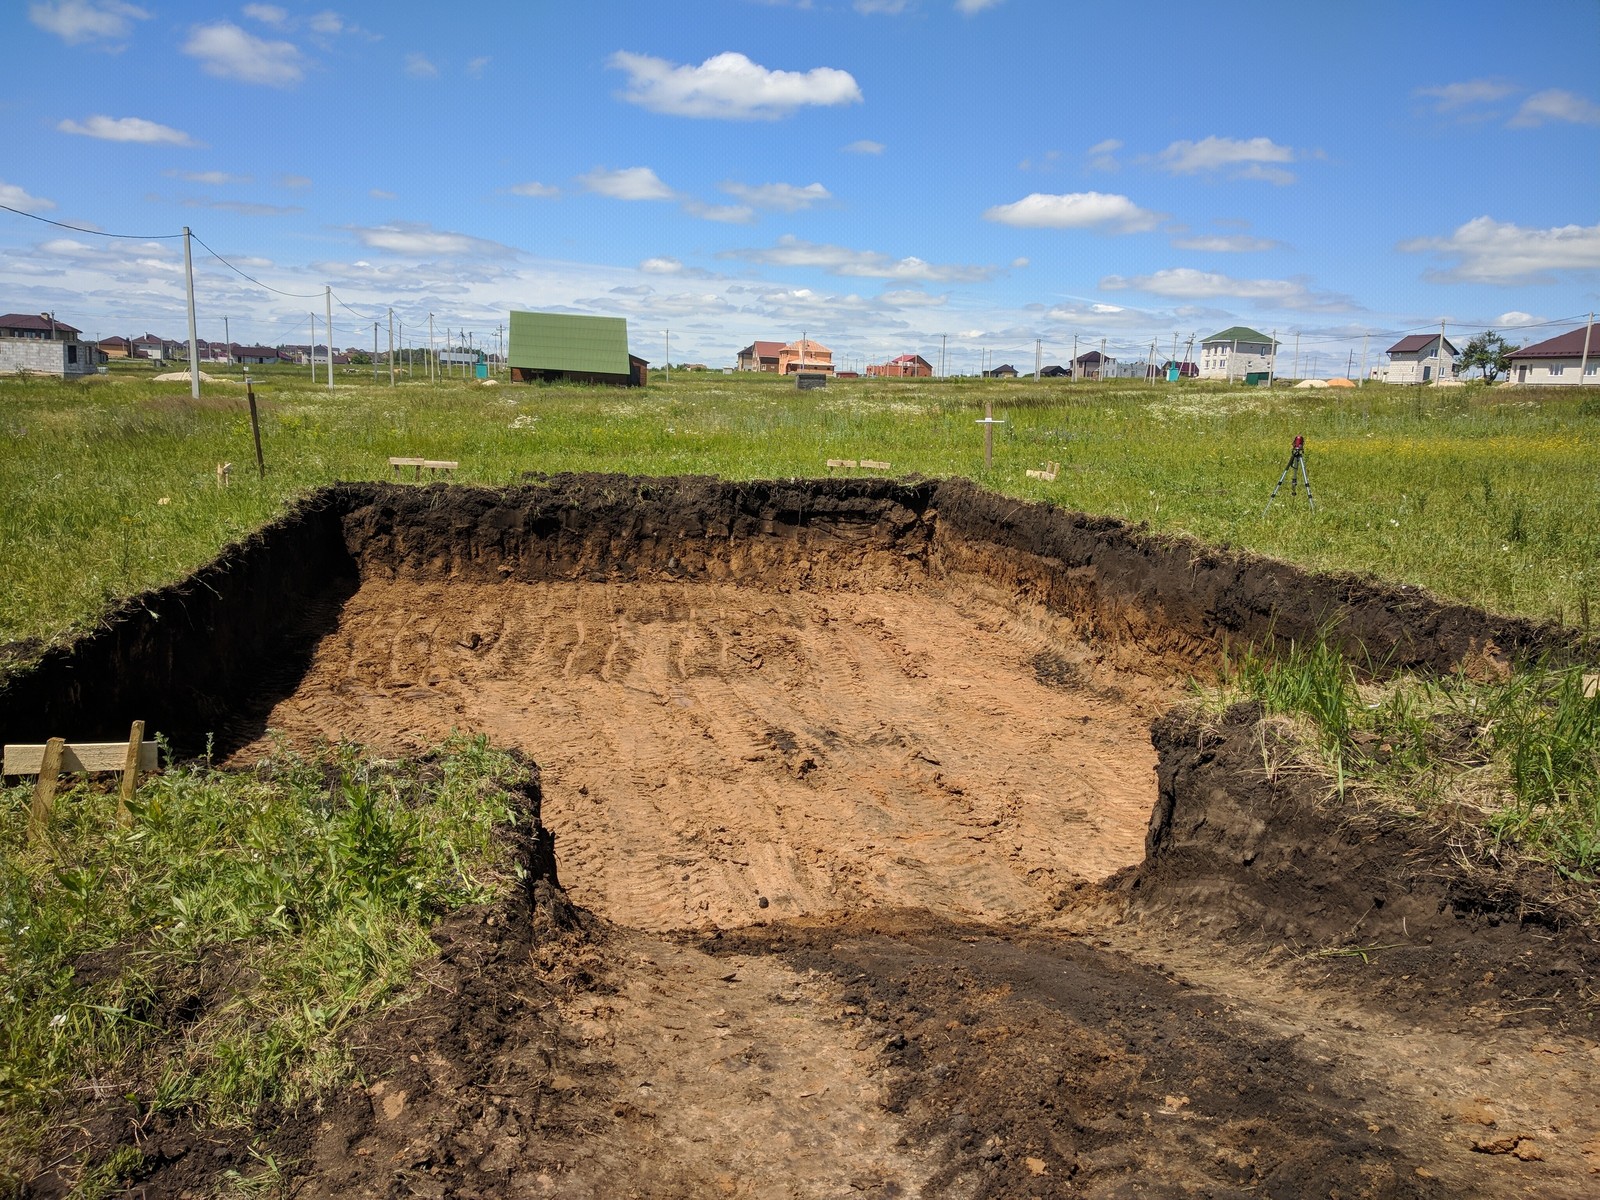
[433, 355]
[311, 350]
[1364, 338]
[194, 338]
[391, 347]
[1297, 356]
[255, 426]
[1074, 375]
[1272, 359]
[1439, 374]
[374, 352]
[327, 304]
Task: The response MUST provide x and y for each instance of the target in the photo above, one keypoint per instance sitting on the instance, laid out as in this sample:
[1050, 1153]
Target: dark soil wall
[211, 654]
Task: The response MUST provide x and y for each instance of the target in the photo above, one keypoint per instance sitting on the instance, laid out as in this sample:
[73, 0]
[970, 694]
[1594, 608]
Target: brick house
[912, 366]
[45, 346]
[759, 356]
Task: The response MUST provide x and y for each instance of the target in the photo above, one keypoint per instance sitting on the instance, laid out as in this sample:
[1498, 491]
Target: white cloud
[535, 189]
[245, 208]
[294, 183]
[1185, 283]
[1450, 96]
[79, 21]
[328, 23]
[781, 197]
[382, 194]
[1555, 104]
[267, 14]
[890, 8]
[974, 6]
[418, 67]
[477, 66]
[1490, 251]
[728, 214]
[1076, 210]
[210, 178]
[791, 251]
[629, 183]
[1103, 155]
[865, 146]
[729, 86]
[228, 52]
[1515, 319]
[127, 129]
[1219, 153]
[410, 238]
[13, 196]
[1230, 243]
[661, 266]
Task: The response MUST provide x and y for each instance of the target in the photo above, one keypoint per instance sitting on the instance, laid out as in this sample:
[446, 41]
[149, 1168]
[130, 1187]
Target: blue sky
[880, 174]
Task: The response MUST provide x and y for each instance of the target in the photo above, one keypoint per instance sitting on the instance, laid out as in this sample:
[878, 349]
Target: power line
[252, 278]
[132, 237]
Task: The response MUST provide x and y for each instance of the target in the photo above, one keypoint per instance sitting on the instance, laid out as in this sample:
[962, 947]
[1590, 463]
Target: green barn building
[566, 347]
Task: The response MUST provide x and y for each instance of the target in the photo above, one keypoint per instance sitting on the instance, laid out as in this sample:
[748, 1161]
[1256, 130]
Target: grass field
[1485, 495]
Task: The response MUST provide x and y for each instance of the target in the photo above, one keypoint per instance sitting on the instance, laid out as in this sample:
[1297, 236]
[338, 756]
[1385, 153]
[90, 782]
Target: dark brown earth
[870, 886]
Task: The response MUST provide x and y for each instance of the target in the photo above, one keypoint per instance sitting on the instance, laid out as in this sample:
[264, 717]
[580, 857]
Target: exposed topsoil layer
[886, 883]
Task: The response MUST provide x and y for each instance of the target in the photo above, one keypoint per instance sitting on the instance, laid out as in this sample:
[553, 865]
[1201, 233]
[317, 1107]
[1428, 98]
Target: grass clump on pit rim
[202, 961]
[1515, 754]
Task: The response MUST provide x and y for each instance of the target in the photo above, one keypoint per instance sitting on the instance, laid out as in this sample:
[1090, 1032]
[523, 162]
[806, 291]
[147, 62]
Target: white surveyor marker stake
[988, 422]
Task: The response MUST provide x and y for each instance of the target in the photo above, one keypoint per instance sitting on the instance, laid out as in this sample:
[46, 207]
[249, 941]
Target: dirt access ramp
[888, 889]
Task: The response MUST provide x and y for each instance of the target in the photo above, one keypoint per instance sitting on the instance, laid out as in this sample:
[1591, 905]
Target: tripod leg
[1307, 478]
[1281, 478]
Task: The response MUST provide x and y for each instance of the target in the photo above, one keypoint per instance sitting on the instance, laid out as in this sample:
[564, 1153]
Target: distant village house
[910, 366]
[1566, 360]
[759, 356]
[805, 355]
[45, 346]
[1415, 359]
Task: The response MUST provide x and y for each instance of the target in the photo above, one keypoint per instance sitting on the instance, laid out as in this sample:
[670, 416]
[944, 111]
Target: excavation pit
[904, 878]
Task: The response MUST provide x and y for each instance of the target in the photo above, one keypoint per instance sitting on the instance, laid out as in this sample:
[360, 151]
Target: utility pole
[311, 350]
[194, 338]
[1188, 351]
[1102, 373]
[669, 354]
[1150, 363]
[942, 338]
[374, 352]
[1175, 353]
[327, 304]
[226, 337]
[391, 347]
[433, 355]
[1350, 362]
[1583, 366]
[402, 338]
[1074, 375]
[1272, 359]
[1364, 339]
[1438, 376]
[1297, 356]
[1038, 357]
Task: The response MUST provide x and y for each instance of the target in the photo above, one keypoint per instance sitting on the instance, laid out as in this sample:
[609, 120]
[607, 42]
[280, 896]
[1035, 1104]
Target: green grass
[1516, 757]
[1484, 495]
[204, 959]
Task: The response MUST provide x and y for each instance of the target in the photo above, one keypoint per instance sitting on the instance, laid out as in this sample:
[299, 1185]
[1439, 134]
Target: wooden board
[439, 464]
[26, 759]
[873, 464]
[841, 462]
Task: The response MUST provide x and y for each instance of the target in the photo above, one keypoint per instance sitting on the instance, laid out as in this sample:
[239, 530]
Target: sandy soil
[715, 754]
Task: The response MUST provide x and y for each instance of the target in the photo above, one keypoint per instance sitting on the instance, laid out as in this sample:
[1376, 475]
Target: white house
[1415, 359]
[43, 345]
[1566, 360]
[1237, 352]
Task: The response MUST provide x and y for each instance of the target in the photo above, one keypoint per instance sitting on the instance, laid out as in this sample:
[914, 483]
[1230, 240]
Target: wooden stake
[130, 773]
[255, 427]
[44, 789]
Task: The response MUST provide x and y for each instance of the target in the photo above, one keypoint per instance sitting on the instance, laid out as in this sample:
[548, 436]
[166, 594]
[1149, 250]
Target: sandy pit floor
[716, 755]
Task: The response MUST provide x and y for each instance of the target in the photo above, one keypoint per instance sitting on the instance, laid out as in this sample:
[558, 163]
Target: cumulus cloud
[294, 183]
[416, 239]
[228, 52]
[1225, 243]
[243, 208]
[664, 265]
[267, 14]
[211, 178]
[728, 214]
[888, 8]
[969, 7]
[535, 189]
[127, 129]
[418, 66]
[1555, 104]
[1185, 283]
[1076, 210]
[865, 146]
[1447, 97]
[729, 86]
[791, 251]
[382, 194]
[779, 197]
[1488, 251]
[80, 21]
[1251, 158]
[477, 66]
[13, 196]
[628, 183]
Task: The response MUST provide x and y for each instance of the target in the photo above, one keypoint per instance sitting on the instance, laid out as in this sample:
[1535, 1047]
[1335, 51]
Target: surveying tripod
[1296, 456]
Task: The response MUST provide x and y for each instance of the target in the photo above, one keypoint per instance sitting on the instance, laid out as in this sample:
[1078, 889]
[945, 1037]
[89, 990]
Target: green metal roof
[568, 342]
[1238, 333]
